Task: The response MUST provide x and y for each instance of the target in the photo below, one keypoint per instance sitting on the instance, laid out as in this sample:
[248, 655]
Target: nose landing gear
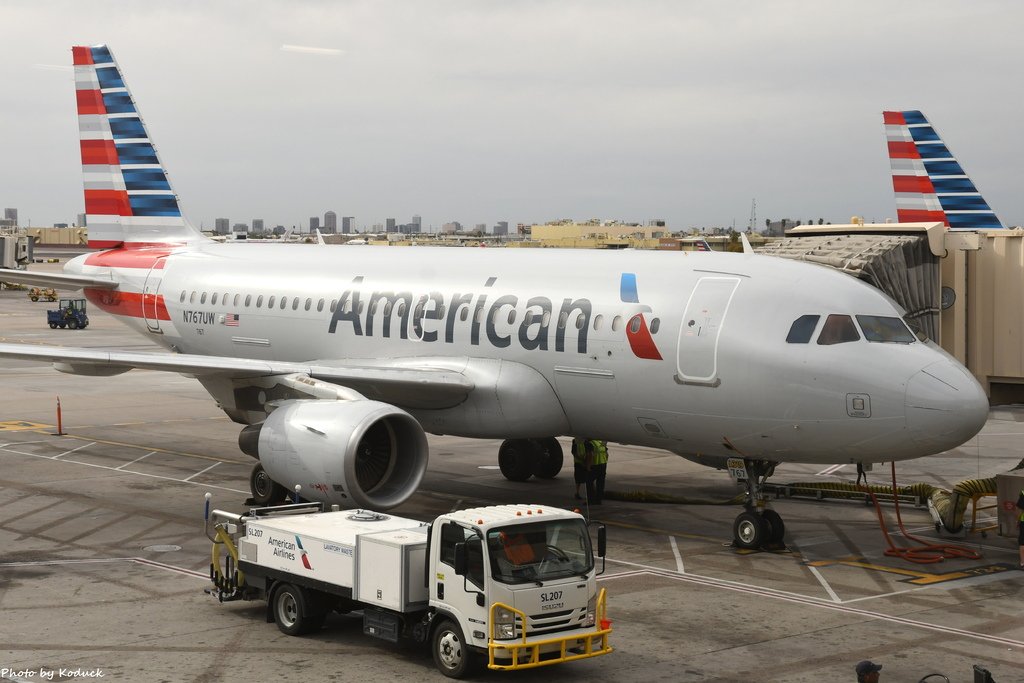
[757, 526]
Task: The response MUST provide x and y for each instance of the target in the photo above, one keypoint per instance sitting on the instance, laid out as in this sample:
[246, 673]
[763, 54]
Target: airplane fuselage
[682, 351]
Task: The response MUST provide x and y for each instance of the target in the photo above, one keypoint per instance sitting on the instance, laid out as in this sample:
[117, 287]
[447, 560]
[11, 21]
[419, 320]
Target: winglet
[747, 249]
[929, 183]
[319, 237]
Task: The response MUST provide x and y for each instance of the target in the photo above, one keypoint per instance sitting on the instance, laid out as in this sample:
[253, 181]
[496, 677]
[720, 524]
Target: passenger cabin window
[838, 329]
[893, 330]
[802, 329]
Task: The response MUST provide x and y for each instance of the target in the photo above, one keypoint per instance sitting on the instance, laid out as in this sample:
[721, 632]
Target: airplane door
[150, 298]
[697, 359]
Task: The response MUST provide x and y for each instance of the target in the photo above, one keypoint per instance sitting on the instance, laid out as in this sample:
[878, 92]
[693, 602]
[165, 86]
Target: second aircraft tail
[928, 181]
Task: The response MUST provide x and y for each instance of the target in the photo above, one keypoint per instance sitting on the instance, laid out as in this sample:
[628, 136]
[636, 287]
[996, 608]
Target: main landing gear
[757, 526]
[519, 459]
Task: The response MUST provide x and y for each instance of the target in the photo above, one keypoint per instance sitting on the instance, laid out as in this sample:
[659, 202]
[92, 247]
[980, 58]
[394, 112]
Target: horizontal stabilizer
[55, 280]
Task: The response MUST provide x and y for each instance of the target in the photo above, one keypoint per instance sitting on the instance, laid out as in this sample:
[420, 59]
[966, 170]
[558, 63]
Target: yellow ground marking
[20, 425]
[918, 577]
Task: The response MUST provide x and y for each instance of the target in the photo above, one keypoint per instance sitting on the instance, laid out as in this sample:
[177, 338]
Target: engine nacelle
[354, 453]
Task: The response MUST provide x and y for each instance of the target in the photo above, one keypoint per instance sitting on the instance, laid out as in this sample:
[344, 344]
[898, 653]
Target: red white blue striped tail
[128, 198]
[930, 184]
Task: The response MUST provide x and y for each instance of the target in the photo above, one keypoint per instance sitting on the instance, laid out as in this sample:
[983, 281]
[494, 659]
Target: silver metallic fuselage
[727, 382]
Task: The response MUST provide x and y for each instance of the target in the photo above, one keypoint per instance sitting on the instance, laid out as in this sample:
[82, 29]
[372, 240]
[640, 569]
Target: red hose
[925, 552]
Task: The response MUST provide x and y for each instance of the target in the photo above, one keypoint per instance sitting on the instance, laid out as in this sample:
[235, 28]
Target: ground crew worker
[1020, 527]
[598, 470]
[868, 671]
[580, 466]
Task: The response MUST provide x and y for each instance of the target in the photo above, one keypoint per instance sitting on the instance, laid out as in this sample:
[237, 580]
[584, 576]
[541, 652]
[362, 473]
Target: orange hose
[925, 552]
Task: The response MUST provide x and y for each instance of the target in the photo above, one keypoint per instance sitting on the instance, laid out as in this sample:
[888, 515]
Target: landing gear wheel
[549, 458]
[776, 527]
[451, 654]
[265, 491]
[516, 459]
[293, 613]
[749, 530]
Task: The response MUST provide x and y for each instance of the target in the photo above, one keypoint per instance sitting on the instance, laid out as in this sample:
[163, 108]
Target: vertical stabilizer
[928, 181]
[128, 199]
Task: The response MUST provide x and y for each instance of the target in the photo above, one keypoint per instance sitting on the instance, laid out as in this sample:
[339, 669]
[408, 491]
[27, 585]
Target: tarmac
[103, 559]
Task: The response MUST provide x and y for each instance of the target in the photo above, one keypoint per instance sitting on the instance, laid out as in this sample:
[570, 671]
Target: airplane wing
[423, 387]
[56, 280]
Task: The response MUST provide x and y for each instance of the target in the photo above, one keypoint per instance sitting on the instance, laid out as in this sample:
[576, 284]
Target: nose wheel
[757, 526]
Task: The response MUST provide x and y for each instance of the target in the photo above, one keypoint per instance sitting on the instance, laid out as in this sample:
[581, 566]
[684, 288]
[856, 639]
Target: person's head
[867, 671]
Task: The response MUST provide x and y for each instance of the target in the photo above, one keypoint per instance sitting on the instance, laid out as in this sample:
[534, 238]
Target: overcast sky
[517, 110]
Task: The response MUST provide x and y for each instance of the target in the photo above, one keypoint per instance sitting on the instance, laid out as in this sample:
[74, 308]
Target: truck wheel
[34, 298]
[516, 459]
[548, 461]
[451, 654]
[292, 611]
[53, 326]
[265, 491]
[73, 324]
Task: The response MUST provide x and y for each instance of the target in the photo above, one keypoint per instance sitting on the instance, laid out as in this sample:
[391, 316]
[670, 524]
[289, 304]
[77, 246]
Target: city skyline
[676, 110]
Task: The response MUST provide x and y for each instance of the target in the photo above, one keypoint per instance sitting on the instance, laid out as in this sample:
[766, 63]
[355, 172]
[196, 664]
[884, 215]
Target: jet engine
[357, 453]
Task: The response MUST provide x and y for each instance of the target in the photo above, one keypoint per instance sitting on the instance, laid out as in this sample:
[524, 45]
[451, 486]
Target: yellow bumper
[528, 655]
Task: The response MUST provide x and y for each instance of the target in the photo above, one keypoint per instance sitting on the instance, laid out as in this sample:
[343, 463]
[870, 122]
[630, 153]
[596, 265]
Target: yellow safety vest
[579, 451]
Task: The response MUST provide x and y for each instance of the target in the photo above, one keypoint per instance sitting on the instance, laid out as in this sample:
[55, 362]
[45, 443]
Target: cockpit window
[802, 329]
[879, 328]
[838, 329]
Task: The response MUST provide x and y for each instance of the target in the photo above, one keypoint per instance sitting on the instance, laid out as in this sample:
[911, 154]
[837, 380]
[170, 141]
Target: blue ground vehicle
[70, 314]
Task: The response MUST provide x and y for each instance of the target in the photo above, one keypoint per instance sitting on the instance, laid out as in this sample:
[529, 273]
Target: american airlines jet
[338, 360]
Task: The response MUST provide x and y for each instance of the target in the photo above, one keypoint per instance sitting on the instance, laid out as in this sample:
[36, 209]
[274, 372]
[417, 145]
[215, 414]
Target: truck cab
[520, 580]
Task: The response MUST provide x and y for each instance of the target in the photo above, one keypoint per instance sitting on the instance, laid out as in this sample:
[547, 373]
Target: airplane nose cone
[945, 406]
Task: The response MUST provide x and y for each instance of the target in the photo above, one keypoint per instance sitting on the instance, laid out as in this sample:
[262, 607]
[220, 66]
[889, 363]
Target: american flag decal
[231, 319]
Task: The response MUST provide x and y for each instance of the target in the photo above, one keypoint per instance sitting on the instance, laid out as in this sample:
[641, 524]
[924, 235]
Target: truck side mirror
[460, 559]
[602, 541]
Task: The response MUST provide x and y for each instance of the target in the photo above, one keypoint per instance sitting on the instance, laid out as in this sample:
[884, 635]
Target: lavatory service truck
[512, 585]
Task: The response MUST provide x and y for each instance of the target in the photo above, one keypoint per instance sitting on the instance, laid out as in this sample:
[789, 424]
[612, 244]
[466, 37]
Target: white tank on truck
[514, 586]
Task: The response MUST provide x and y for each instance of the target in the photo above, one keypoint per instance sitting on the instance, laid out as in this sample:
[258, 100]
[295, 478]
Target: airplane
[337, 362]
[929, 183]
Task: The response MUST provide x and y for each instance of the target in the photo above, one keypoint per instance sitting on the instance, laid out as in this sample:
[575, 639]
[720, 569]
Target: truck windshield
[539, 551]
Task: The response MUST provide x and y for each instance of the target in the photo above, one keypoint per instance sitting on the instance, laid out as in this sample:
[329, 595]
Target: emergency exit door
[703, 319]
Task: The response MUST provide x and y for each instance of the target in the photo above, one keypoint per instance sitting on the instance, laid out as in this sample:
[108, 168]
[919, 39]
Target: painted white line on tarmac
[675, 551]
[819, 603]
[824, 584]
[135, 460]
[189, 478]
[61, 455]
[120, 471]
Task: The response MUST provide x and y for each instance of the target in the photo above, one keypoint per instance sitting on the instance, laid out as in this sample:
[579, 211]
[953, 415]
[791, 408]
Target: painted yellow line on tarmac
[21, 425]
[918, 578]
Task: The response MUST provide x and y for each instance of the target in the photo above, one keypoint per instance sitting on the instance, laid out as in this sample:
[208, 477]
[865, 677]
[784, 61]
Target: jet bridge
[901, 259]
